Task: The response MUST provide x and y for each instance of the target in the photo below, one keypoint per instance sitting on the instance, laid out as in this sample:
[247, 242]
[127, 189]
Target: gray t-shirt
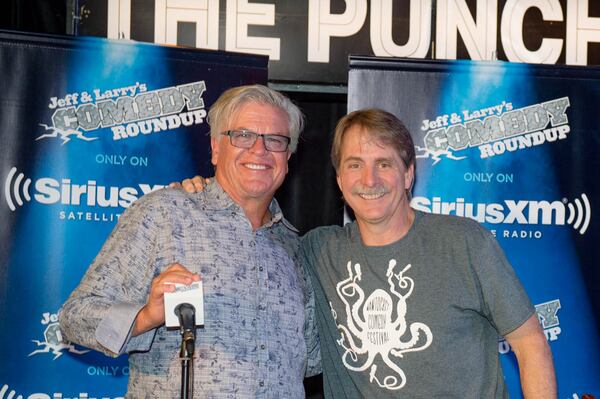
[418, 318]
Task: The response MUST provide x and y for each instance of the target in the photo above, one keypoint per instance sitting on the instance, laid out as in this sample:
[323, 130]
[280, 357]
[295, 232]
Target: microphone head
[187, 316]
[184, 309]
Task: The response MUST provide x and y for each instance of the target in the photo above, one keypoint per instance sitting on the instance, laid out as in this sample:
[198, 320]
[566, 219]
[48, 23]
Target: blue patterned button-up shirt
[259, 338]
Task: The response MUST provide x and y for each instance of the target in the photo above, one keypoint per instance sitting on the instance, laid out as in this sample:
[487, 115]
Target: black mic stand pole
[186, 314]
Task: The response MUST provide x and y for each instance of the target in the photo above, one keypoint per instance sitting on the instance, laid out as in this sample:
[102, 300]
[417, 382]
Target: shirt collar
[218, 199]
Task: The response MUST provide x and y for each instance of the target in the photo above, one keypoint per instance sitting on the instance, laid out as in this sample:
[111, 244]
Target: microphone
[186, 313]
[184, 309]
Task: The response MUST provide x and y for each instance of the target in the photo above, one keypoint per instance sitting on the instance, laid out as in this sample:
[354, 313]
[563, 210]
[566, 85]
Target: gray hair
[231, 100]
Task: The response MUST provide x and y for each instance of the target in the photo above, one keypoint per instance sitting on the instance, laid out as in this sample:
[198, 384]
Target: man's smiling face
[373, 177]
[254, 173]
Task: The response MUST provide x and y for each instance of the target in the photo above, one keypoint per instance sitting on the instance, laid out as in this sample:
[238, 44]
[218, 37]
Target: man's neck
[255, 209]
[257, 213]
[386, 232]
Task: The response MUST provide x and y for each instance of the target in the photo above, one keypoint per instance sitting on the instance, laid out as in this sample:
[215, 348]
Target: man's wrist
[140, 324]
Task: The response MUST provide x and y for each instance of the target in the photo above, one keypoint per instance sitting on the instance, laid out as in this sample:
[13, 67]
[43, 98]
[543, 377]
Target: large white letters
[118, 19]
[512, 31]
[240, 14]
[479, 36]
[322, 25]
[419, 25]
[581, 30]
[477, 26]
[204, 13]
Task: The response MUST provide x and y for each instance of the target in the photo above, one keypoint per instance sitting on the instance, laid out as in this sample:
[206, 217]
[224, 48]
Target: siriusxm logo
[48, 191]
[7, 393]
[576, 213]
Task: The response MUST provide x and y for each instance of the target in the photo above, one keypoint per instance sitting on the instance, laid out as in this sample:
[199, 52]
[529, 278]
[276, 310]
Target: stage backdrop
[87, 126]
[515, 147]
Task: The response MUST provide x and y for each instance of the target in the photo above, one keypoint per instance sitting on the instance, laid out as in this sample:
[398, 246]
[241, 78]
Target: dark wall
[41, 16]
[309, 196]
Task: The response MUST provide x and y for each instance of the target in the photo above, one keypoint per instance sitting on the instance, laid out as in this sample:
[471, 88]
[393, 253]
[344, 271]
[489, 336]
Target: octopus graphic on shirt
[369, 329]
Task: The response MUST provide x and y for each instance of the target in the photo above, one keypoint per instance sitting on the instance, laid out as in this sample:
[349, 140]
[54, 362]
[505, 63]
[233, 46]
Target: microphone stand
[187, 321]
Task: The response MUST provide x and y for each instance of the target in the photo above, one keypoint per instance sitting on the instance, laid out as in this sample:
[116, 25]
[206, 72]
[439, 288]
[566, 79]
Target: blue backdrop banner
[87, 126]
[513, 146]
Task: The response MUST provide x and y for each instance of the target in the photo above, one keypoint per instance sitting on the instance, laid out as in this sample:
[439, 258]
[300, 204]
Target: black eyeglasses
[246, 139]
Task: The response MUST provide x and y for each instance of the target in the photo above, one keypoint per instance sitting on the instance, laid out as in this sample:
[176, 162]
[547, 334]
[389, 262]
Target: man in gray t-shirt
[412, 304]
[419, 316]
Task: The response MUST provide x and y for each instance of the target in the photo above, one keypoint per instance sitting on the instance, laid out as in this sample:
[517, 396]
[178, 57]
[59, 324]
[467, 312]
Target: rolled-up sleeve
[100, 312]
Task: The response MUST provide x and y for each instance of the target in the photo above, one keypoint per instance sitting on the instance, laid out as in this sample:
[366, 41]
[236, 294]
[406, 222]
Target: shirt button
[261, 268]
[262, 346]
[262, 384]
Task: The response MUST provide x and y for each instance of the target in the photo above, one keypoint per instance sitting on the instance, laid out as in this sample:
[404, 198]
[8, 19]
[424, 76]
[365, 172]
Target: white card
[192, 294]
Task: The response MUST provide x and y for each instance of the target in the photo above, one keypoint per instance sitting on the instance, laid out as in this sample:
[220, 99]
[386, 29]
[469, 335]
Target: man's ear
[409, 177]
[214, 149]
[287, 165]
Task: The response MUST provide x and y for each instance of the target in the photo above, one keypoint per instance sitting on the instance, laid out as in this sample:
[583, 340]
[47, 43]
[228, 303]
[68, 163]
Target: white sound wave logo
[580, 214]
[11, 394]
[17, 189]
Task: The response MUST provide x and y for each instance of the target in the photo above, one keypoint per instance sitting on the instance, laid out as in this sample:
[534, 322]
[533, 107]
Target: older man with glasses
[259, 337]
